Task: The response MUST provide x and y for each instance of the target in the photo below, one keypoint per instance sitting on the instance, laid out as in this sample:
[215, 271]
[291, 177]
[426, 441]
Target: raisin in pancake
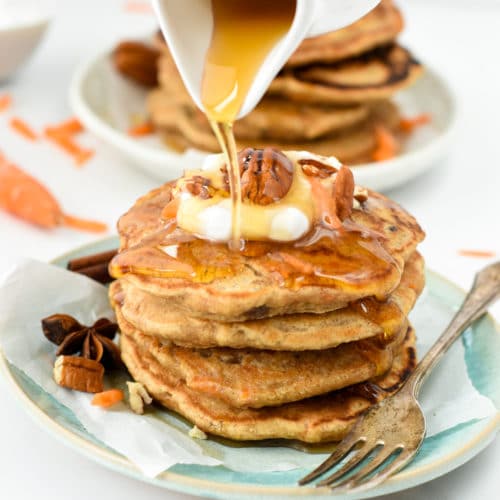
[379, 27]
[243, 286]
[272, 118]
[371, 76]
[320, 419]
[249, 378]
[292, 332]
[182, 126]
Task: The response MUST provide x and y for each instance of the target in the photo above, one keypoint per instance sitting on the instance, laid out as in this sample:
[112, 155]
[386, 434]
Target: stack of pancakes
[329, 99]
[241, 355]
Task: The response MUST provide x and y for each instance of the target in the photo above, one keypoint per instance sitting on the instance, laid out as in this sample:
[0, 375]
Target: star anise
[91, 342]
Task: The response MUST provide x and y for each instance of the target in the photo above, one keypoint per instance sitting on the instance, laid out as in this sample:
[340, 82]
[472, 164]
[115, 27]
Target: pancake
[249, 378]
[293, 332]
[272, 118]
[320, 419]
[182, 126]
[240, 286]
[371, 76]
[379, 27]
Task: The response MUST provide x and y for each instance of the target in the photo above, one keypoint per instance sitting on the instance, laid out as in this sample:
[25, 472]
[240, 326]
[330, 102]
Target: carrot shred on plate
[25, 197]
[67, 144]
[409, 124]
[387, 145]
[108, 398]
[21, 127]
[91, 226]
[141, 129]
[69, 127]
[482, 254]
[138, 7]
[5, 102]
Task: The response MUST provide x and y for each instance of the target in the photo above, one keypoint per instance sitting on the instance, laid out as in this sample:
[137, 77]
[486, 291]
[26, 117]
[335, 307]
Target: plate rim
[177, 481]
[120, 141]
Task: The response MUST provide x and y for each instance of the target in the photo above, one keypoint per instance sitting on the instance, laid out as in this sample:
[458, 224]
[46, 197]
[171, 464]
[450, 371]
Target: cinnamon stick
[94, 266]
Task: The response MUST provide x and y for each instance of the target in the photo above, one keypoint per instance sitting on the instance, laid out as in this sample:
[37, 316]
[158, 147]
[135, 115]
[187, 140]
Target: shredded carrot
[25, 197]
[298, 264]
[483, 254]
[387, 145]
[141, 129]
[5, 102]
[409, 124]
[91, 226]
[68, 127]
[108, 398]
[138, 7]
[23, 128]
[66, 143]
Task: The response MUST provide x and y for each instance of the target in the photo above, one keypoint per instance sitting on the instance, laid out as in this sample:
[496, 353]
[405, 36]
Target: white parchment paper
[156, 441]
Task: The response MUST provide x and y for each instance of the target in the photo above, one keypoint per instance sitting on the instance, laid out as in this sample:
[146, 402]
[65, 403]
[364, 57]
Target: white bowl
[105, 102]
[20, 33]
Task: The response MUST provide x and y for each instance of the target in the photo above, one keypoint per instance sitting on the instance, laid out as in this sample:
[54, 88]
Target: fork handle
[485, 289]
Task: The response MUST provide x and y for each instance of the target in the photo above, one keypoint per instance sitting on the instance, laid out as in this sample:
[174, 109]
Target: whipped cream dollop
[210, 216]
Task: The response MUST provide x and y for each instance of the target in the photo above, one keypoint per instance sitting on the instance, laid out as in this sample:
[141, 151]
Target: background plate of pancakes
[332, 98]
[439, 454]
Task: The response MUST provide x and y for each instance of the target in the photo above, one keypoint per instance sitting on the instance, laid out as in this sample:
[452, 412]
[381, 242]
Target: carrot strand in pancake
[387, 145]
[21, 127]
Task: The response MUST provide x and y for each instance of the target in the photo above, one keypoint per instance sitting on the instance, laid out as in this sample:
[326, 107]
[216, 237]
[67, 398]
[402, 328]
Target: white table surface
[458, 204]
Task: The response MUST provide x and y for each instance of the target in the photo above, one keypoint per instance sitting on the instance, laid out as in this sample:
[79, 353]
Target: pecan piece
[137, 61]
[199, 186]
[79, 374]
[343, 192]
[315, 168]
[266, 175]
[138, 396]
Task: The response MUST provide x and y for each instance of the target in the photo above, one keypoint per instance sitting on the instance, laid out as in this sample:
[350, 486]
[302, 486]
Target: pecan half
[137, 61]
[343, 192]
[315, 168]
[79, 374]
[266, 175]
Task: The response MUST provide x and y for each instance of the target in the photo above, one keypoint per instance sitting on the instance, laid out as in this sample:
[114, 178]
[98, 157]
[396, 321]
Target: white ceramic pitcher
[187, 27]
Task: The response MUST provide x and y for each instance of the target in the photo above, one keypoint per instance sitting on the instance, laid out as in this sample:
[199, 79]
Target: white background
[457, 203]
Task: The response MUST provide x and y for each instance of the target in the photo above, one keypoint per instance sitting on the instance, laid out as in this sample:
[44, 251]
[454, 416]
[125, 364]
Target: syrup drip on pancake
[244, 33]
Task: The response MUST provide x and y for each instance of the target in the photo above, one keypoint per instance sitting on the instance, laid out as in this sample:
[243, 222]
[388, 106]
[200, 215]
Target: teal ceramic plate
[438, 455]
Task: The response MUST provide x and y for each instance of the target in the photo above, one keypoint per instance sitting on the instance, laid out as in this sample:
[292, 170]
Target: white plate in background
[105, 102]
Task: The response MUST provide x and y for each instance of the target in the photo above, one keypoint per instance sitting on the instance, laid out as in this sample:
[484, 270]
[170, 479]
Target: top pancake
[378, 27]
[244, 286]
[372, 76]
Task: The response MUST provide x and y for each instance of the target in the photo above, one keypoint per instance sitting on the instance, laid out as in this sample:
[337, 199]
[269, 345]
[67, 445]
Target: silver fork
[392, 431]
